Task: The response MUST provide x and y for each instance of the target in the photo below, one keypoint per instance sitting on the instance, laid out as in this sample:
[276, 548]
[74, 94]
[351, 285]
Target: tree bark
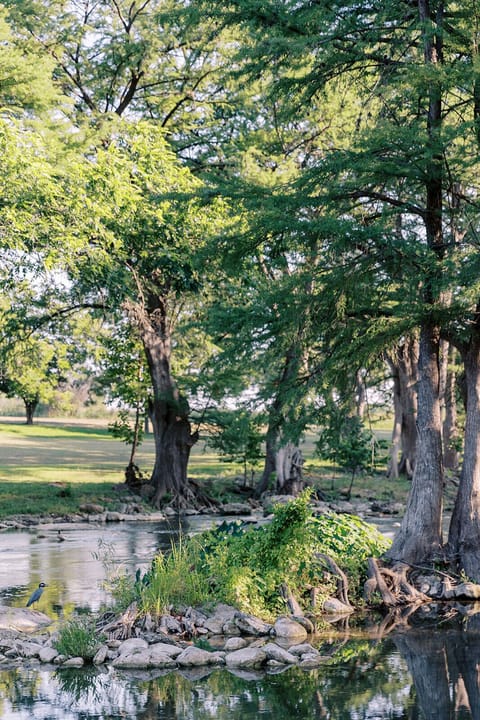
[288, 466]
[464, 533]
[269, 467]
[360, 394]
[30, 407]
[420, 536]
[276, 419]
[404, 367]
[168, 411]
[393, 464]
[408, 373]
[449, 406]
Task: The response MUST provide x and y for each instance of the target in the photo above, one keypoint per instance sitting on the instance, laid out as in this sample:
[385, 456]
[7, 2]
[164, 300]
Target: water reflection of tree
[104, 693]
[445, 666]
[360, 673]
[362, 679]
[226, 696]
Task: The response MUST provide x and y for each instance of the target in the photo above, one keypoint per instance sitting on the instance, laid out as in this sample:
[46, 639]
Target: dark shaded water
[427, 667]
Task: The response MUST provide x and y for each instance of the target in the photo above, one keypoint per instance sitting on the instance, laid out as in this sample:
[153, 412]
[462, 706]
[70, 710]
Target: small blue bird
[37, 594]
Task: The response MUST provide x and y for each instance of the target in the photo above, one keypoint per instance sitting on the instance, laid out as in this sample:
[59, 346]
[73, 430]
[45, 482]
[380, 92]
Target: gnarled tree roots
[401, 584]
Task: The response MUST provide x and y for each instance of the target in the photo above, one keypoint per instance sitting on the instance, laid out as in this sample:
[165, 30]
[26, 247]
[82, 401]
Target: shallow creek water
[429, 671]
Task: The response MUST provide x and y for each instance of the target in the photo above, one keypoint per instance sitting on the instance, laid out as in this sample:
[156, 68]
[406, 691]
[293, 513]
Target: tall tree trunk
[168, 411]
[30, 407]
[408, 372]
[464, 533]
[404, 367]
[420, 534]
[360, 394]
[288, 463]
[132, 473]
[276, 418]
[269, 467]
[392, 471]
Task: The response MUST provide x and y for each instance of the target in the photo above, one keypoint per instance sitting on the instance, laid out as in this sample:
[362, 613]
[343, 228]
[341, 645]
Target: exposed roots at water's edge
[402, 584]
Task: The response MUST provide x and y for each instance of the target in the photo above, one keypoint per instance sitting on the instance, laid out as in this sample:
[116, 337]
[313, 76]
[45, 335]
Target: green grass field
[55, 466]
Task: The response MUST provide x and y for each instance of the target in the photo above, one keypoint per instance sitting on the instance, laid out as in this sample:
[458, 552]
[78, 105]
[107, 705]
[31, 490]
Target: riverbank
[251, 510]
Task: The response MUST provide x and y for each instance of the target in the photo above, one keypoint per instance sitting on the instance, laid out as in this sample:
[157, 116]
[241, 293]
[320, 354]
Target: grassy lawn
[55, 466]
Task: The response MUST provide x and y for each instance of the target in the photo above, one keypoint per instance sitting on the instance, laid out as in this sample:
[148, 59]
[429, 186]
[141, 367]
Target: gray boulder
[193, 656]
[166, 648]
[302, 649]
[285, 627]
[47, 654]
[234, 643]
[222, 615]
[132, 645]
[250, 625]
[312, 660]
[22, 619]
[275, 652]
[74, 662]
[143, 658]
[246, 658]
[304, 622]
[101, 655]
[159, 659]
[332, 605]
[28, 649]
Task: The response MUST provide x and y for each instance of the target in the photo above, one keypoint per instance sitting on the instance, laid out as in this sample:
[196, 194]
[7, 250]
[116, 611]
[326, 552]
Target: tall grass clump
[78, 638]
[174, 579]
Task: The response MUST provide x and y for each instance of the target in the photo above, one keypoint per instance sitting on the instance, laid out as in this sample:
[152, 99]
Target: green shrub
[248, 564]
[78, 638]
[350, 541]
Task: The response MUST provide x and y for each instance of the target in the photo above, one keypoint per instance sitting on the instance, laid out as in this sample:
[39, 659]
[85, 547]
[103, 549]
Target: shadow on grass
[53, 430]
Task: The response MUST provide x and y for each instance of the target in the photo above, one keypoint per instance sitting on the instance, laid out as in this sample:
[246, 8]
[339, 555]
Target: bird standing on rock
[37, 594]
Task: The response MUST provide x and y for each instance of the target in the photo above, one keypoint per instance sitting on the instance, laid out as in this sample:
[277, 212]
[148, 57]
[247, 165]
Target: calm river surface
[424, 672]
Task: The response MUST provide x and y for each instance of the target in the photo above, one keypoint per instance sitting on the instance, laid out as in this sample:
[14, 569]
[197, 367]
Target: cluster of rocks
[355, 506]
[226, 637]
